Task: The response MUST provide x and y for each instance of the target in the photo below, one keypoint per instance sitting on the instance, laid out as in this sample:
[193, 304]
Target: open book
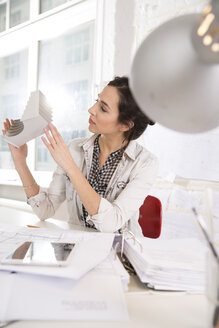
[35, 118]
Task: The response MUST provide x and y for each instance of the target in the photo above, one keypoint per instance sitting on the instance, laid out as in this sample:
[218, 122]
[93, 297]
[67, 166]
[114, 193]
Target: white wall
[190, 156]
[135, 19]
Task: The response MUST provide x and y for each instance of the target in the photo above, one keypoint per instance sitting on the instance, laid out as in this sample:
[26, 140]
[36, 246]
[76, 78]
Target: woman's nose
[92, 110]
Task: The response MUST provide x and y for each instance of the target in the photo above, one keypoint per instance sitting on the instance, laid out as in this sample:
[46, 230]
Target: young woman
[104, 178]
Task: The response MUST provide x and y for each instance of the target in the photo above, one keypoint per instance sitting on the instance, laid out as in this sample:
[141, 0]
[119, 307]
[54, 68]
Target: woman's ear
[128, 126]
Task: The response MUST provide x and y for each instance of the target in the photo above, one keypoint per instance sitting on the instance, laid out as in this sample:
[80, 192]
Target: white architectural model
[36, 117]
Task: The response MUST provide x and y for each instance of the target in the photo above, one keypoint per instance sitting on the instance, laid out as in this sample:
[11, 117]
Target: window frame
[41, 27]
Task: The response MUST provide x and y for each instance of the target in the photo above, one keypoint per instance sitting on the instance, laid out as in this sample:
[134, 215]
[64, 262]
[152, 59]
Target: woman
[105, 178]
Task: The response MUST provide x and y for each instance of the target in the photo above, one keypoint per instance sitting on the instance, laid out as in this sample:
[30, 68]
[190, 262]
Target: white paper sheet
[214, 202]
[95, 297]
[113, 265]
[177, 225]
[91, 288]
[91, 248]
[169, 264]
[183, 200]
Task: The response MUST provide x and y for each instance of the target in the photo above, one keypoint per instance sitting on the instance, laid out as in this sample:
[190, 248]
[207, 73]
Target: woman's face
[104, 113]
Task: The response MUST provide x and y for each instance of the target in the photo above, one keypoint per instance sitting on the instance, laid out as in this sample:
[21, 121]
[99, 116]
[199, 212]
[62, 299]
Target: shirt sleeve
[112, 216]
[47, 201]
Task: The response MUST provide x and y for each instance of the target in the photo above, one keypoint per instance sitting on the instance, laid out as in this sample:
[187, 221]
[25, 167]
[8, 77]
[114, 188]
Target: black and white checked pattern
[99, 179]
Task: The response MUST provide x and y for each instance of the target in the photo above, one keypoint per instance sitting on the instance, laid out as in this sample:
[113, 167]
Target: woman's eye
[101, 107]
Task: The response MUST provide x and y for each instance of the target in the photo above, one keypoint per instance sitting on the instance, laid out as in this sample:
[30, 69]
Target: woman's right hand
[19, 155]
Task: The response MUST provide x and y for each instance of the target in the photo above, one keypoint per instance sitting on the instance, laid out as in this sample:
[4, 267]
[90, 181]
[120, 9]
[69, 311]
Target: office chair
[150, 217]
[150, 221]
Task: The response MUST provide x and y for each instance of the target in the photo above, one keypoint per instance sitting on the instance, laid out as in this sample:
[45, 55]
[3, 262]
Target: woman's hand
[19, 155]
[58, 148]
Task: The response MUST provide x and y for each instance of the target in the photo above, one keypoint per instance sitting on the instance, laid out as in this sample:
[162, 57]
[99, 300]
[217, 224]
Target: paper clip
[125, 230]
[116, 249]
[127, 265]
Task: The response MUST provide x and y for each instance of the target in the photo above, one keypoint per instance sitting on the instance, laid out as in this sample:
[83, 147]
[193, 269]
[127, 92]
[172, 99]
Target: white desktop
[146, 308]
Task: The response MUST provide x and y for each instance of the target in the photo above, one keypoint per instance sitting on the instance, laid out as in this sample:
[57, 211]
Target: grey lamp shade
[171, 83]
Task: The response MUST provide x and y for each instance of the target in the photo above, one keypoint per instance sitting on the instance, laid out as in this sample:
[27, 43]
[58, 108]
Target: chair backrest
[150, 217]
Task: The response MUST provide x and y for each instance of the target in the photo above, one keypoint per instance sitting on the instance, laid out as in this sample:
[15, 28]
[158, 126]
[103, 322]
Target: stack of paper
[169, 264]
[80, 291]
[113, 264]
[90, 250]
[35, 118]
[32, 297]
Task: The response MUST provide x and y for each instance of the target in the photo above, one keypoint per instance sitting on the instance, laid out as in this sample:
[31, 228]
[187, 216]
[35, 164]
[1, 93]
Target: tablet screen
[40, 252]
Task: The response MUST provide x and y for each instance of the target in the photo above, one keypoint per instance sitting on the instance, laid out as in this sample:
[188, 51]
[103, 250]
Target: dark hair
[129, 110]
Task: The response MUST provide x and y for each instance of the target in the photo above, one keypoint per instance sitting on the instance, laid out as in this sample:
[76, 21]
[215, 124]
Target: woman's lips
[90, 121]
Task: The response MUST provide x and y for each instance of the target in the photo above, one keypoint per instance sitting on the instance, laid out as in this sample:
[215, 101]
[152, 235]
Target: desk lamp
[175, 77]
[175, 72]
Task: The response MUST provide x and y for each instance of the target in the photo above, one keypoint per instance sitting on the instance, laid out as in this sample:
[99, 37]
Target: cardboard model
[35, 118]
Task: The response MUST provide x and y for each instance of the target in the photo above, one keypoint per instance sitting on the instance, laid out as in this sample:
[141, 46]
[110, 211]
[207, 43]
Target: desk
[146, 308]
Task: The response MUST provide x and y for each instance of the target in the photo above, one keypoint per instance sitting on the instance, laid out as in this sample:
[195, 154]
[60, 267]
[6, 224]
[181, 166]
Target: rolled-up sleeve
[112, 216]
[47, 201]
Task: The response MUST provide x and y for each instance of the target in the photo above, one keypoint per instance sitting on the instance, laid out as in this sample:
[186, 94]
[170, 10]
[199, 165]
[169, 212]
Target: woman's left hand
[58, 148]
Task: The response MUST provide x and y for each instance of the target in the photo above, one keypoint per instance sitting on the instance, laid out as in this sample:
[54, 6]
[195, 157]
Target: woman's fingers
[6, 127]
[55, 133]
[7, 124]
[48, 145]
[50, 138]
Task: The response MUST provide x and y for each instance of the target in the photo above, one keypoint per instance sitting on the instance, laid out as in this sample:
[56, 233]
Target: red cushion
[150, 217]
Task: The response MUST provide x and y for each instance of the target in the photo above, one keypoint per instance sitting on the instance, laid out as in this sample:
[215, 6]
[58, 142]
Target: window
[13, 95]
[79, 92]
[55, 55]
[12, 66]
[50, 4]
[15, 12]
[2, 17]
[77, 48]
[19, 11]
[67, 84]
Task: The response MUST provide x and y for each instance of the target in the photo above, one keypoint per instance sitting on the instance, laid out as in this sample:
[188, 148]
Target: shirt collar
[132, 149]
[87, 142]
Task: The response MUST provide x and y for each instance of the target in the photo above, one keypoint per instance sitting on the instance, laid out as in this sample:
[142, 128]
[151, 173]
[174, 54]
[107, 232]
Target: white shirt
[125, 193]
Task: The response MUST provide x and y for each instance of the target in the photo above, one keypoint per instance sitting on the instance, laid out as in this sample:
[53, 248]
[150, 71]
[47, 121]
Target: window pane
[13, 95]
[65, 75]
[19, 12]
[2, 17]
[49, 4]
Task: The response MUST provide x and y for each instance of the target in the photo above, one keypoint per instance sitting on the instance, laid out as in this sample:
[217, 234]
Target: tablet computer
[40, 253]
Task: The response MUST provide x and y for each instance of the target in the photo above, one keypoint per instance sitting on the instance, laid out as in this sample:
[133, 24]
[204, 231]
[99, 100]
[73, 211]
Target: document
[178, 218]
[177, 225]
[177, 264]
[91, 288]
[113, 265]
[91, 248]
[214, 202]
[94, 297]
[183, 200]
